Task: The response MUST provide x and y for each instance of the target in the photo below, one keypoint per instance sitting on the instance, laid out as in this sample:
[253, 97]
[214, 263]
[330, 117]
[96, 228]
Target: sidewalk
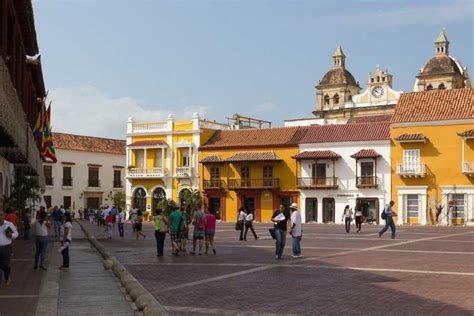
[86, 289]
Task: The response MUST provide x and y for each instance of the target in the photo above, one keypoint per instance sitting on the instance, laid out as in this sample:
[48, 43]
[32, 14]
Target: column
[144, 161]
[162, 160]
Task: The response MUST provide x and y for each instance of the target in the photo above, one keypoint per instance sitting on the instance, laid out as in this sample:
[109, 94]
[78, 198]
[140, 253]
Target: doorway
[370, 209]
[93, 202]
[215, 206]
[328, 210]
[311, 210]
[249, 204]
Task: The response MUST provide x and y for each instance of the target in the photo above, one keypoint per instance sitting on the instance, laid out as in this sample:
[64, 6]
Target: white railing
[183, 171]
[147, 172]
[411, 170]
[468, 167]
[149, 127]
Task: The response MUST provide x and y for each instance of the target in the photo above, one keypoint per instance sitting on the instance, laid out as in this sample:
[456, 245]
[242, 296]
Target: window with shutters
[117, 178]
[67, 176]
[48, 174]
[412, 203]
[458, 205]
[94, 177]
[411, 160]
[67, 202]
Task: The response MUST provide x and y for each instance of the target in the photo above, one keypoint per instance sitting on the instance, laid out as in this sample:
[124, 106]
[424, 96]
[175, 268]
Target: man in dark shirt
[56, 215]
[280, 218]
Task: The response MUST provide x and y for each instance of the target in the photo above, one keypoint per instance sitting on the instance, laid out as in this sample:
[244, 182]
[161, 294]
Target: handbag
[238, 225]
[272, 233]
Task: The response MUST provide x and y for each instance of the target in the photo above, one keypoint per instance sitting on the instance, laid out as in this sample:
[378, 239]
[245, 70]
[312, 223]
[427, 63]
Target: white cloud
[86, 110]
[413, 14]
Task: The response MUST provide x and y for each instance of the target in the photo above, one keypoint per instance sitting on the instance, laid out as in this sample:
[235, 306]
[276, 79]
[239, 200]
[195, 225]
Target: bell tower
[338, 58]
[442, 44]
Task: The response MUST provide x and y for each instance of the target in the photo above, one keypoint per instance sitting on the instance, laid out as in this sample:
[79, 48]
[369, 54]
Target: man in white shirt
[121, 222]
[296, 230]
[8, 232]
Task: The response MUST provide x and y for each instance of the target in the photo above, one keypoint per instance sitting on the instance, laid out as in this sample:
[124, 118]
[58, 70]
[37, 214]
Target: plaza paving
[426, 270]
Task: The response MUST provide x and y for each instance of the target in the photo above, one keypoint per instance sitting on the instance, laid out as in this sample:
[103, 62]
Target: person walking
[439, 210]
[389, 214]
[296, 230]
[280, 217]
[41, 227]
[110, 224]
[57, 221]
[175, 222]
[139, 226]
[241, 221]
[199, 222]
[66, 241]
[210, 231]
[358, 217]
[161, 227]
[8, 233]
[347, 217]
[184, 227]
[27, 223]
[11, 217]
[249, 225]
[121, 222]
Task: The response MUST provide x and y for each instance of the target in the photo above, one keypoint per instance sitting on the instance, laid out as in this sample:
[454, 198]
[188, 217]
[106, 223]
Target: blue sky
[105, 60]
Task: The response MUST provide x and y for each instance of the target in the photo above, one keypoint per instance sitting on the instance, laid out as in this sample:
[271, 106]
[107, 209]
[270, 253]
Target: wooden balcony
[367, 182]
[411, 170]
[154, 172]
[468, 169]
[318, 183]
[213, 184]
[260, 184]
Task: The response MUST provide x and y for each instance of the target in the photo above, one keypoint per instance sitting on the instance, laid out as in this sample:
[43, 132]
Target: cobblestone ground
[426, 270]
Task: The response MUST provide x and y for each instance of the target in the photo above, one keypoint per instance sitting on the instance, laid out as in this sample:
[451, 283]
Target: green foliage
[24, 190]
[193, 199]
[119, 199]
[168, 206]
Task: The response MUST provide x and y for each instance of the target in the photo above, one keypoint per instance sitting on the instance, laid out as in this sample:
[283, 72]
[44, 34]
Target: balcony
[118, 184]
[268, 184]
[155, 172]
[411, 170]
[49, 181]
[318, 183]
[67, 182]
[468, 169]
[213, 184]
[149, 127]
[93, 183]
[184, 171]
[367, 182]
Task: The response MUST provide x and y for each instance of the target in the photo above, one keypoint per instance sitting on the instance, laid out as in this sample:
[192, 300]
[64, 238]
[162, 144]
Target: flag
[48, 147]
[39, 126]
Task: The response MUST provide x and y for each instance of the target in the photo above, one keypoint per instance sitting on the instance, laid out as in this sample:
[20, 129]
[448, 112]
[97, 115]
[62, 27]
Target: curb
[143, 299]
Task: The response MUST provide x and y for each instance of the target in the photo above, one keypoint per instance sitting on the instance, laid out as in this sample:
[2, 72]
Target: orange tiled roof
[148, 143]
[254, 156]
[88, 143]
[212, 159]
[347, 133]
[256, 137]
[435, 105]
[366, 153]
[319, 154]
[418, 137]
[467, 134]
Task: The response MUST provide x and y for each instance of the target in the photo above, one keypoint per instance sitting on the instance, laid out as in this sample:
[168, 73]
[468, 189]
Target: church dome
[338, 76]
[442, 64]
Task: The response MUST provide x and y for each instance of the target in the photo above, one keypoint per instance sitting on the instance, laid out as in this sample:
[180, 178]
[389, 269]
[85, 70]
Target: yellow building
[432, 156]
[252, 168]
[162, 159]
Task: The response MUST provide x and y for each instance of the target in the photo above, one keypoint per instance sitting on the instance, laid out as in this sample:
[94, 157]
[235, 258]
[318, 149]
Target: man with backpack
[199, 222]
[176, 218]
[387, 215]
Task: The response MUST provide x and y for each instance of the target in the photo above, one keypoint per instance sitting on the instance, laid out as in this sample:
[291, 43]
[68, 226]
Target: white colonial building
[88, 172]
[344, 164]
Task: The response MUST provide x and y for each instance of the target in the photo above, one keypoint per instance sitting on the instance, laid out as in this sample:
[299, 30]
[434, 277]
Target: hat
[294, 205]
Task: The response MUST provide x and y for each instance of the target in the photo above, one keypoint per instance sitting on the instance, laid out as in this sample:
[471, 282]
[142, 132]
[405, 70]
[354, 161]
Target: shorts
[198, 234]
[210, 233]
[138, 227]
[175, 236]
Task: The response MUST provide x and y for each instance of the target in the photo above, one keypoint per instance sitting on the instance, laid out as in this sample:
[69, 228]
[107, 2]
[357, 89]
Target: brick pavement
[426, 270]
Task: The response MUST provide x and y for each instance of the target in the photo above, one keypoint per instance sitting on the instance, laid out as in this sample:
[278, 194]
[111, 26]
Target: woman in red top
[210, 230]
[110, 224]
[11, 217]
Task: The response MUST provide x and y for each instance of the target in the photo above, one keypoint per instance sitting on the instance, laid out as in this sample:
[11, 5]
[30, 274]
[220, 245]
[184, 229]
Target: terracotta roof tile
[88, 143]
[254, 156]
[467, 134]
[319, 154]
[148, 143]
[366, 153]
[212, 158]
[370, 119]
[418, 137]
[347, 133]
[256, 137]
[435, 105]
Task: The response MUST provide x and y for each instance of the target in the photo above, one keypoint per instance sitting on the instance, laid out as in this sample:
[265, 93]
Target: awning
[212, 159]
[319, 154]
[467, 134]
[411, 138]
[366, 153]
[254, 156]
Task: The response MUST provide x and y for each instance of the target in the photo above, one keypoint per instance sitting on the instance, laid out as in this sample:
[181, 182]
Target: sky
[107, 60]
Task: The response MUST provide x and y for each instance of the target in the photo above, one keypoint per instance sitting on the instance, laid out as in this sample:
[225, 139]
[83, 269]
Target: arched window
[441, 86]
[349, 97]
[158, 195]
[326, 100]
[139, 199]
[429, 87]
[378, 78]
[336, 98]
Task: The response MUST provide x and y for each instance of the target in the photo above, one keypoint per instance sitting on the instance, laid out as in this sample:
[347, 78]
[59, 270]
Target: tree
[168, 206]
[193, 199]
[25, 189]
[119, 199]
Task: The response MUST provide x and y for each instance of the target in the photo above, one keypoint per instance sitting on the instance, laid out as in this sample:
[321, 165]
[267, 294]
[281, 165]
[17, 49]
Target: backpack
[384, 215]
[200, 223]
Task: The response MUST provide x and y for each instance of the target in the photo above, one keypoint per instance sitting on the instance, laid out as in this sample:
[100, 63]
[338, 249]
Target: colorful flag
[39, 127]
[48, 147]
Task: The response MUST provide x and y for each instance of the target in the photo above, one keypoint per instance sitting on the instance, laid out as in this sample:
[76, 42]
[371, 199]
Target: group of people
[245, 222]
